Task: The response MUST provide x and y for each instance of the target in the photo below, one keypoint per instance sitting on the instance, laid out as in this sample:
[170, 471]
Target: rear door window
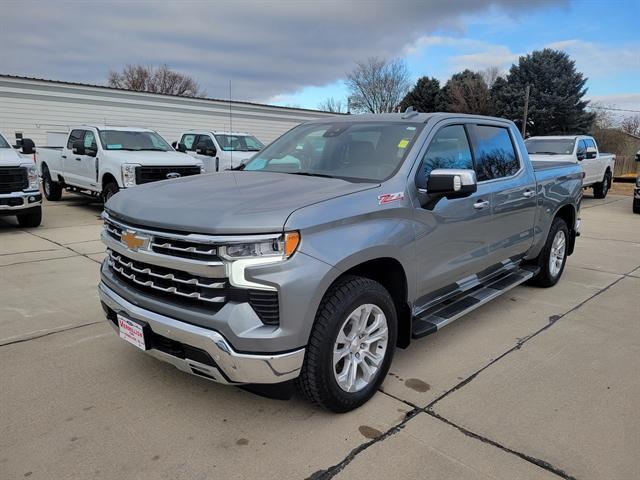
[75, 136]
[494, 153]
[448, 149]
[188, 140]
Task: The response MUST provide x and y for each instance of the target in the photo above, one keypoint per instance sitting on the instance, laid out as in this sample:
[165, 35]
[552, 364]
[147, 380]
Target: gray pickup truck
[343, 239]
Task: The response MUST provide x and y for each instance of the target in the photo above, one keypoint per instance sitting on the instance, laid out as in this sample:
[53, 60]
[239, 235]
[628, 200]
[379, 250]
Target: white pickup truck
[19, 184]
[219, 150]
[99, 161]
[582, 149]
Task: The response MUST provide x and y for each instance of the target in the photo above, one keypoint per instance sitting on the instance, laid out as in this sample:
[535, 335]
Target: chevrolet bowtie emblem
[132, 241]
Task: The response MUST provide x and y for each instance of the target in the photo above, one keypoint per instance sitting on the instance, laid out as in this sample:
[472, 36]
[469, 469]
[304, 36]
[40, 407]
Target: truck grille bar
[154, 174]
[13, 179]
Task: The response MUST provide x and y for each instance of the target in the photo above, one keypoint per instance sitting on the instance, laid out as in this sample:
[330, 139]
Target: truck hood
[536, 157]
[10, 158]
[150, 158]
[232, 202]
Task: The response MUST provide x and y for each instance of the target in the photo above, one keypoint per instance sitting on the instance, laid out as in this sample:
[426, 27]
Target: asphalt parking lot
[541, 383]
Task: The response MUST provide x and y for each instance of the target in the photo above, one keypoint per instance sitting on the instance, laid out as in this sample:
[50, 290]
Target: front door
[451, 236]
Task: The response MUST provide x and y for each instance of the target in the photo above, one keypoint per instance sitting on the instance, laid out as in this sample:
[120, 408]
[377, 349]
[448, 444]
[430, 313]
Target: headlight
[32, 174]
[129, 174]
[277, 248]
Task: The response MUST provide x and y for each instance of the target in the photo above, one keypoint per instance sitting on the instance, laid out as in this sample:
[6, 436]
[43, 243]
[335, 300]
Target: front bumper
[12, 203]
[227, 366]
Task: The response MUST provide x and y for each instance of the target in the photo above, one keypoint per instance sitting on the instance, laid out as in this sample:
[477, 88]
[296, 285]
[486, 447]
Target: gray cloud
[265, 48]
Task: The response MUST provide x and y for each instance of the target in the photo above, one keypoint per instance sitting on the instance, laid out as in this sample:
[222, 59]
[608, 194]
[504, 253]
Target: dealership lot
[541, 383]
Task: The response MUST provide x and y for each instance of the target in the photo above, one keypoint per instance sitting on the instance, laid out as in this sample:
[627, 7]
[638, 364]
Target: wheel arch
[568, 213]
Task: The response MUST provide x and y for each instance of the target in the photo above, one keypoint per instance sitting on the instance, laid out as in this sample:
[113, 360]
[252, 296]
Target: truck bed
[540, 165]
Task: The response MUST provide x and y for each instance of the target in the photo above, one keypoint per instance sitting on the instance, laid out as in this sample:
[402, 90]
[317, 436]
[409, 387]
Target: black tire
[546, 277]
[317, 381]
[52, 190]
[31, 219]
[636, 206]
[601, 189]
[109, 190]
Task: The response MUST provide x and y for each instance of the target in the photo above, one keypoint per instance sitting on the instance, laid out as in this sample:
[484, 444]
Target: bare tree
[490, 75]
[631, 124]
[378, 85]
[142, 78]
[332, 105]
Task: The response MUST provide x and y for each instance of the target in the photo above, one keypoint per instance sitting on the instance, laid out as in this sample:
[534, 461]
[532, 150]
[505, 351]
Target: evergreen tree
[556, 104]
[423, 96]
[465, 92]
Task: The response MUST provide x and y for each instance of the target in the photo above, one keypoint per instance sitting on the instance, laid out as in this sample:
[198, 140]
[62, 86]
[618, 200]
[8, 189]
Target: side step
[441, 314]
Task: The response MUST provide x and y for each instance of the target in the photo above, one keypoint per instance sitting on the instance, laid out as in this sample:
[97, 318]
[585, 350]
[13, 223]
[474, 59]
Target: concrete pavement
[541, 383]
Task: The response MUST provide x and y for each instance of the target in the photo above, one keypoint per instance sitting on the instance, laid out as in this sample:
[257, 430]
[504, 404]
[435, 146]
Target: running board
[441, 314]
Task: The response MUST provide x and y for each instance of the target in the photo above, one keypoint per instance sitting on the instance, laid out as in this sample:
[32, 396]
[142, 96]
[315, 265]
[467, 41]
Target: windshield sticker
[411, 128]
[403, 143]
[114, 146]
[390, 197]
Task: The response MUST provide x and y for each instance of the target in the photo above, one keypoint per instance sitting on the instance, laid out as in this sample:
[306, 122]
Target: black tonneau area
[547, 165]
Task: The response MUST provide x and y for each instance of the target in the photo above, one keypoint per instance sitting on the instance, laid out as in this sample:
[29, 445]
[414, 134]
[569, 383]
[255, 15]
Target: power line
[613, 109]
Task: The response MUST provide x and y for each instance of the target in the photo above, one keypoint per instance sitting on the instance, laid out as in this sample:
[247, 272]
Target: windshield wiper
[149, 150]
[310, 174]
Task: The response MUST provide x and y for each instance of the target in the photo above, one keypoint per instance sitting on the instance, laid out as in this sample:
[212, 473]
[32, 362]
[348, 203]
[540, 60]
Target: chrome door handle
[480, 204]
[529, 193]
[79, 159]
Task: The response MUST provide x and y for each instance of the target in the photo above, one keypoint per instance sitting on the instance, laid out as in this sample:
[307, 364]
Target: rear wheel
[52, 190]
[553, 257]
[31, 219]
[601, 189]
[351, 345]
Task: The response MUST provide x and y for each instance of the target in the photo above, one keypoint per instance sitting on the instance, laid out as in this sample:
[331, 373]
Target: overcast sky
[297, 51]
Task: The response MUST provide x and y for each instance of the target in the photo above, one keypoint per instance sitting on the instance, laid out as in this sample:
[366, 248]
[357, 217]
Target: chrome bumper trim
[23, 195]
[234, 367]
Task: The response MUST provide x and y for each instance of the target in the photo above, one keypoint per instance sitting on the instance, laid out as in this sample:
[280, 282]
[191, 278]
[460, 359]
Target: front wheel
[553, 257]
[109, 190]
[601, 189]
[351, 345]
[30, 220]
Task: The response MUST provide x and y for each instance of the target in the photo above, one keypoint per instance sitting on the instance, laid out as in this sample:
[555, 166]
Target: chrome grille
[167, 281]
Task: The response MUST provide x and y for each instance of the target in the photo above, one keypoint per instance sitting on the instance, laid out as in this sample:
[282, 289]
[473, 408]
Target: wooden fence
[625, 165]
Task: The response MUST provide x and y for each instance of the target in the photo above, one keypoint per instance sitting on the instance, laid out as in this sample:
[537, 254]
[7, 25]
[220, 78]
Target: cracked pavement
[540, 383]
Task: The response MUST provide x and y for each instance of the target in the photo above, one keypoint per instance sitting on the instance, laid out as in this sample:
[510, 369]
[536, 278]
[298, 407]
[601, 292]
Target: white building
[43, 110]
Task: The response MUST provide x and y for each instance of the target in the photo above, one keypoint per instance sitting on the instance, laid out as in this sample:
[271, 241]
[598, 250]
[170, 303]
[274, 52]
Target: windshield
[550, 146]
[358, 151]
[124, 140]
[4, 143]
[239, 143]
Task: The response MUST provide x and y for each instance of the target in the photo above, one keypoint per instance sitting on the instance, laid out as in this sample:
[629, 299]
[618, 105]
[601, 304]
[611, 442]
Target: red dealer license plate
[132, 332]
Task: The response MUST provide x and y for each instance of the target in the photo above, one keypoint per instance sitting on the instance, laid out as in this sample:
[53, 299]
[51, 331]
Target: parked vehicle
[341, 240]
[100, 161]
[19, 184]
[219, 150]
[636, 190]
[598, 167]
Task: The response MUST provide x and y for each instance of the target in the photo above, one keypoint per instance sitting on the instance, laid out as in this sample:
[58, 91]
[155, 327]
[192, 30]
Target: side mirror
[451, 183]
[592, 152]
[28, 147]
[78, 148]
[581, 156]
[174, 145]
[181, 147]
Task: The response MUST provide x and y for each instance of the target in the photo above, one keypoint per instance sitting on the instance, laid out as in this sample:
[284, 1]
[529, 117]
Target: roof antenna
[409, 112]
[230, 128]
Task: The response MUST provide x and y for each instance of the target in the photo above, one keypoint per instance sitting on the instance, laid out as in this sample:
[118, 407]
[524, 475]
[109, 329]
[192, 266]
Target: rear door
[502, 170]
[451, 236]
[71, 163]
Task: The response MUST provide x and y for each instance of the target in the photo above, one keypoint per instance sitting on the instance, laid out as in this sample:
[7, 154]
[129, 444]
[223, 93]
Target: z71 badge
[390, 197]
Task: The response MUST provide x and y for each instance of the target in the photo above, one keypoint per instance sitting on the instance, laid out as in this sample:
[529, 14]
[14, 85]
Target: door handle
[64, 156]
[529, 193]
[78, 159]
[479, 205]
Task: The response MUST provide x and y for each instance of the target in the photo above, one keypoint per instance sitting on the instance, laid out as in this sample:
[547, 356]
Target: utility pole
[526, 110]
